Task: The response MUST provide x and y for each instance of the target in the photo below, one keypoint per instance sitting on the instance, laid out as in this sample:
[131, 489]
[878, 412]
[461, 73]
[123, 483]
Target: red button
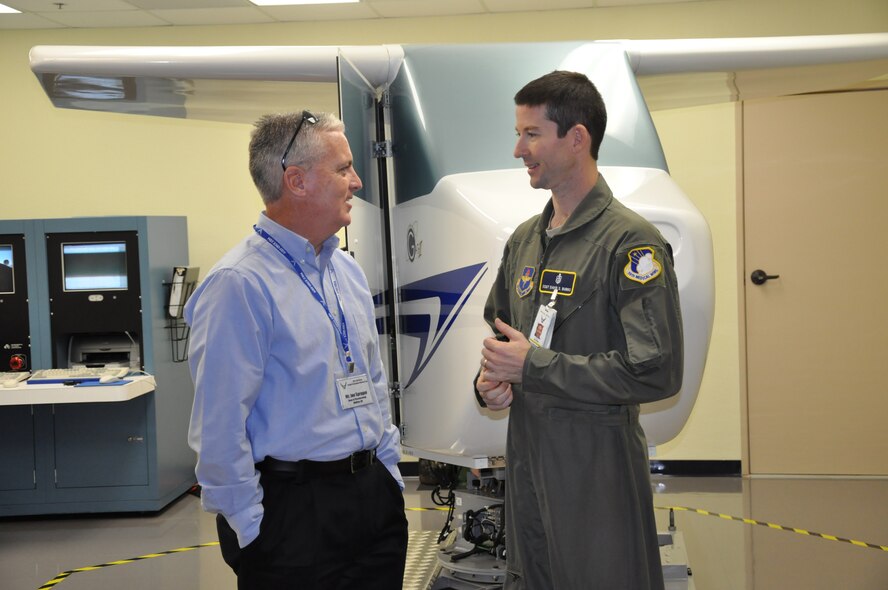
[17, 362]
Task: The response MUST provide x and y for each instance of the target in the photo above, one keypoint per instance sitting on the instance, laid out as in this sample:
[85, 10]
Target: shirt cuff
[396, 473]
[246, 524]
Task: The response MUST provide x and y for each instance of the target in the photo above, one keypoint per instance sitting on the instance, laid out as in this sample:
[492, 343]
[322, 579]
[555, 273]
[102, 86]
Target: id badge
[543, 325]
[354, 391]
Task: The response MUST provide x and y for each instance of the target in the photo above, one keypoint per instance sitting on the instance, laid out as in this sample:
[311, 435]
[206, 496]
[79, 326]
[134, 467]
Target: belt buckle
[364, 458]
[351, 462]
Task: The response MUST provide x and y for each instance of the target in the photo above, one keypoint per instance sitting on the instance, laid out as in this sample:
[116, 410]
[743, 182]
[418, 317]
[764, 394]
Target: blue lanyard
[342, 330]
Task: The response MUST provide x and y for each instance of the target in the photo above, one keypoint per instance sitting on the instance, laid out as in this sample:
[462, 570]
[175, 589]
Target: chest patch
[525, 282]
[643, 266]
[560, 281]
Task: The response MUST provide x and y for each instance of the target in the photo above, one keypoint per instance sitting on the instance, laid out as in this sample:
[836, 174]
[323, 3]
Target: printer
[103, 351]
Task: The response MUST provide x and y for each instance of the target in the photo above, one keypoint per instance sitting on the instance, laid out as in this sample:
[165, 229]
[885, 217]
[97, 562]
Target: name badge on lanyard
[354, 391]
[544, 324]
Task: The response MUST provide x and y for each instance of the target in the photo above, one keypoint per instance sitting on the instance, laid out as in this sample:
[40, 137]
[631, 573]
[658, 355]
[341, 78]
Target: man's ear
[294, 179]
[580, 136]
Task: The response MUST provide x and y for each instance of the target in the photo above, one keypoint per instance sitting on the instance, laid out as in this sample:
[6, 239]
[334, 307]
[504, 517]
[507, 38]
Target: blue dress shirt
[265, 357]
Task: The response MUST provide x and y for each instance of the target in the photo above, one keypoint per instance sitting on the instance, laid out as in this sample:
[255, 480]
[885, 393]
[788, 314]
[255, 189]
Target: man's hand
[504, 361]
[496, 394]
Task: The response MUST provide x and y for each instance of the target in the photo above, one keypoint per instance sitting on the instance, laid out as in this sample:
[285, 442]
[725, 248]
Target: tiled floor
[724, 553]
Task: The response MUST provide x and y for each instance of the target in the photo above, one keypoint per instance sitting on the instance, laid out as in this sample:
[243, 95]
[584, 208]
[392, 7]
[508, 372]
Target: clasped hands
[502, 364]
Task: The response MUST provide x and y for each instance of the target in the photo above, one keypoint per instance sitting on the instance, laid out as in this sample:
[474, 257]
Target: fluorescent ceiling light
[295, 2]
[4, 9]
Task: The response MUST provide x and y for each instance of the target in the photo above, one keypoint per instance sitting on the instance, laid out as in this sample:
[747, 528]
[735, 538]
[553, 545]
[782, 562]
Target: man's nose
[520, 149]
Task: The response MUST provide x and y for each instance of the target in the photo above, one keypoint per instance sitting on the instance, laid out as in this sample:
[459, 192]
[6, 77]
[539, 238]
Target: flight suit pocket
[640, 330]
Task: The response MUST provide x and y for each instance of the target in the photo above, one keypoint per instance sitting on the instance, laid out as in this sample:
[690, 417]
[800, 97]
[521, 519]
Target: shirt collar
[592, 205]
[298, 247]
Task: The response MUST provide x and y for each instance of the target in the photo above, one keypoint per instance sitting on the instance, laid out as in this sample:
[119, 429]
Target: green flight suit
[578, 497]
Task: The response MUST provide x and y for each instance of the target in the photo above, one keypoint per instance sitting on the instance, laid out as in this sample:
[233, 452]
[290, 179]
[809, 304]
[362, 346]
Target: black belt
[350, 464]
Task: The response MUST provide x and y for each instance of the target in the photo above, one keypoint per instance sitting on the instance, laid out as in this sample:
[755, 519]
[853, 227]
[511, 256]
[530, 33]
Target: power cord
[447, 477]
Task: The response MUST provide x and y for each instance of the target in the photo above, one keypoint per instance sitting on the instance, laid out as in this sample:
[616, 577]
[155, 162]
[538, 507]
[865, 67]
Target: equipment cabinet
[111, 448]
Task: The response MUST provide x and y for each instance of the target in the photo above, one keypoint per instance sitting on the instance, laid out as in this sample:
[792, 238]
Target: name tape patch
[560, 281]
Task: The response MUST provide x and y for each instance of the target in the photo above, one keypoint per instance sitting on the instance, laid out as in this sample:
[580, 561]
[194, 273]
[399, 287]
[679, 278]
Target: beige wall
[58, 163]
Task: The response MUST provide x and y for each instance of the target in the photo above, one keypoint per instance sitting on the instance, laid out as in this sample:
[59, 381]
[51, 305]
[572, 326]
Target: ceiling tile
[320, 12]
[109, 18]
[189, 4]
[212, 16]
[408, 8]
[146, 13]
[536, 5]
[26, 21]
[48, 6]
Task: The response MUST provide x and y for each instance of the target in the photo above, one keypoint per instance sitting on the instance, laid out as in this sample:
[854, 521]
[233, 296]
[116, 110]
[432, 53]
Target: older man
[297, 454]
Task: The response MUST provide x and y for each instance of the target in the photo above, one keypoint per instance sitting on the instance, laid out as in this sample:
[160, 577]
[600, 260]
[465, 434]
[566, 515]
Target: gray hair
[269, 140]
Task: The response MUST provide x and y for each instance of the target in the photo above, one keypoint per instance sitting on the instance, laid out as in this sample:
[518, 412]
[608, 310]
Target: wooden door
[815, 207]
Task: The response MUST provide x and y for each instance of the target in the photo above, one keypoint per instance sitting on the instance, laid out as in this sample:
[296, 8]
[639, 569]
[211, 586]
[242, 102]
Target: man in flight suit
[600, 279]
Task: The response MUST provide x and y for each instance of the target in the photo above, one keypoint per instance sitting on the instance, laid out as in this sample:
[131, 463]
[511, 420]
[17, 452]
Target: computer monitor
[7, 276]
[94, 266]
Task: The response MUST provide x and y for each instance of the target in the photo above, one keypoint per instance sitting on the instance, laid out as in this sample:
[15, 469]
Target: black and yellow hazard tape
[779, 527]
[62, 576]
[421, 509]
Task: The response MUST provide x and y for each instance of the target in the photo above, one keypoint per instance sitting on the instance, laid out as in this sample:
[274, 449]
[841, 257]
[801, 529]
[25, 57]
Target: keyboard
[13, 379]
[77, 374]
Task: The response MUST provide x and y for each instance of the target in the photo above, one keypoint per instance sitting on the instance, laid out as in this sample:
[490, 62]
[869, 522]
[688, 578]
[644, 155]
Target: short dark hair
[570, 99]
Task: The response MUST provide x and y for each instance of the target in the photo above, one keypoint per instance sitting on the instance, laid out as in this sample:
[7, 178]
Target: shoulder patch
[643, 265]
[525, 281]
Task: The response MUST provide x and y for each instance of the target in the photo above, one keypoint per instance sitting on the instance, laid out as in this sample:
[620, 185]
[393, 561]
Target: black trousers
[329, 532]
